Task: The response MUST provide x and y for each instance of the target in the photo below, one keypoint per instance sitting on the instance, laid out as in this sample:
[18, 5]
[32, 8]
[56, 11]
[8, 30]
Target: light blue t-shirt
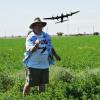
[39, 58]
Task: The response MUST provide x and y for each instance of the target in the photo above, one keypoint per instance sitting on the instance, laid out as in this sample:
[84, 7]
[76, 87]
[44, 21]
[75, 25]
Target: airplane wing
[74, 13]
[48, 18]
[52, 18]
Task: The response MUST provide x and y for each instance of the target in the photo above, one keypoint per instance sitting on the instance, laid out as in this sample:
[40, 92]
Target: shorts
[35, 77]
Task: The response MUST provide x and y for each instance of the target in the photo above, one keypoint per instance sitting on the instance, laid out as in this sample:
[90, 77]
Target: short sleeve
[49, 41]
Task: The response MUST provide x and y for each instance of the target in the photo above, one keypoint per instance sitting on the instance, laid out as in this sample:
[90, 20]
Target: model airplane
[62, 16]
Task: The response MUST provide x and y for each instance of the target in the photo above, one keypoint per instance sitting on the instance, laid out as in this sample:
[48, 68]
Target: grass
[77, 76]
[78, 52]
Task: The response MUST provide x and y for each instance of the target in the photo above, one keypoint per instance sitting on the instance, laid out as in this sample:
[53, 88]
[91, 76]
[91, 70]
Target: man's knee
[26, 89]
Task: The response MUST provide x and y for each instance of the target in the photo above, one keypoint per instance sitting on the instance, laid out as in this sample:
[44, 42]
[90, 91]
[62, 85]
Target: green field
[75, 77]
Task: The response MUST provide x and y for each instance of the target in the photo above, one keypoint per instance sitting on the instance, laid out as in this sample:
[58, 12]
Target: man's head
[37, 25]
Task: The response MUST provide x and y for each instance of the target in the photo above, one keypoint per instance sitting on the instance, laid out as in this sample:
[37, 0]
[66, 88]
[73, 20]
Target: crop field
[75, 77]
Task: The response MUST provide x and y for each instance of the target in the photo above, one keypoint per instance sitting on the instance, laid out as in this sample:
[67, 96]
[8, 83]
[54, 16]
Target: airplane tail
[61, 22]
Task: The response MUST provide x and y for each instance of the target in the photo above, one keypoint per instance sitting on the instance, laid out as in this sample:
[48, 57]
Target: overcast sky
[17, 15]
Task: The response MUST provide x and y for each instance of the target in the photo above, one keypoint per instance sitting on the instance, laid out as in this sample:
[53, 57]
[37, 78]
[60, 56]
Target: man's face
[38, 28]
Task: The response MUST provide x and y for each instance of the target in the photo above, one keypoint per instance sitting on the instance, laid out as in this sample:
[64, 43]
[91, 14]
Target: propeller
[67, 15]
[57, 17]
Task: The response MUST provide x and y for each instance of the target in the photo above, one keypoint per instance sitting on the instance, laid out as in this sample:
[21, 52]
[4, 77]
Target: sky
[17, 15]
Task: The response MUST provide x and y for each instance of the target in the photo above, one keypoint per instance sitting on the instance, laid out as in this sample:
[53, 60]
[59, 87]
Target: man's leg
[26, 89]
[41, 88]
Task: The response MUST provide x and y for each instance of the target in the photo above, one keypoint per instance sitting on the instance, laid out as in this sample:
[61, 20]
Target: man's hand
[37, 42]
[57, 58]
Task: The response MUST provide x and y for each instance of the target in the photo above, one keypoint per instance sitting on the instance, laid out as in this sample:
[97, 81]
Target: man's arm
[34, 48]
[55, 54]
[53, 50]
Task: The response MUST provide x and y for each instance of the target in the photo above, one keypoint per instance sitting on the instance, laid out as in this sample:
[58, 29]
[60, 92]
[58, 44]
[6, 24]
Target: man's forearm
[54, 52]
[34, 48]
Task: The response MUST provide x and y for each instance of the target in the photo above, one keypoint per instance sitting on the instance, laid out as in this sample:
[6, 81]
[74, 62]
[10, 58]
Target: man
[39, 53]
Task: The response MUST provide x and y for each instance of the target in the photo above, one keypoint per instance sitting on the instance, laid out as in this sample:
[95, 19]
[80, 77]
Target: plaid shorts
[35, 77]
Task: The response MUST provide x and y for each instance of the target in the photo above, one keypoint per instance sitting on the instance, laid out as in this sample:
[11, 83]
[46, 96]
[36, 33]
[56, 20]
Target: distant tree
[96, 33]
[59, 33]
